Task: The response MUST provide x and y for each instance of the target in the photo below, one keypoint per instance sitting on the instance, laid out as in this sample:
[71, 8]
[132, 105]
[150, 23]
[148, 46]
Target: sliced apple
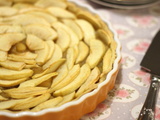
[63, 39]
[11, 83]
[27, 61]
[25, 19]
[34, 43]
[76, 51]
[57, 54]
[92, 79]
[74, 38]
[28, 1]
[6, 11]
[20, 6]
[51, 49]
[72, 74]
[89, 89]
[67, 98]
[106, 28]
[62, 73]
[60, 12]
[84, 51]
[24, 55]
[55, 65]
[3, 55]
[21, 47]
[70, 57]
[72, 7]
[42, 54]
[46, 83]
[27, 66]
[10, 29]
[12, 74]
[24, 93]
[32, 102]
[76, 83]
[90, 18]
[113, 46]
[42, 31]
[37, 81]
[97, 50]
[10, 103]
[51, 68]
[74, 26]
[48, 3]
[51, 103]
[12, 65]
[49, 18]
[108, 59]
[107, 63]
[88, 30]
[10, 39]
[104, 36]
[28, 9]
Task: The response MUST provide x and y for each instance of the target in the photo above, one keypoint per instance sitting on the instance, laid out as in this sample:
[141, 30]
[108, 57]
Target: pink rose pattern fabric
[135, 30]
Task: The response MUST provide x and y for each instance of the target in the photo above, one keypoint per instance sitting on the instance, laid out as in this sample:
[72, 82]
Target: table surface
[135, 28]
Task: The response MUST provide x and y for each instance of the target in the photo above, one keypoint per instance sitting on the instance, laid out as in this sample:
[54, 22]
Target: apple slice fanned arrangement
[51, 52]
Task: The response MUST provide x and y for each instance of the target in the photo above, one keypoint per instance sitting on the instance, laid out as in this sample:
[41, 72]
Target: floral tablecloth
[135, 29]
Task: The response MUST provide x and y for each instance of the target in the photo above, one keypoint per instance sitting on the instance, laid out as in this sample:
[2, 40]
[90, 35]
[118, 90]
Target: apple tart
[54, 58]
